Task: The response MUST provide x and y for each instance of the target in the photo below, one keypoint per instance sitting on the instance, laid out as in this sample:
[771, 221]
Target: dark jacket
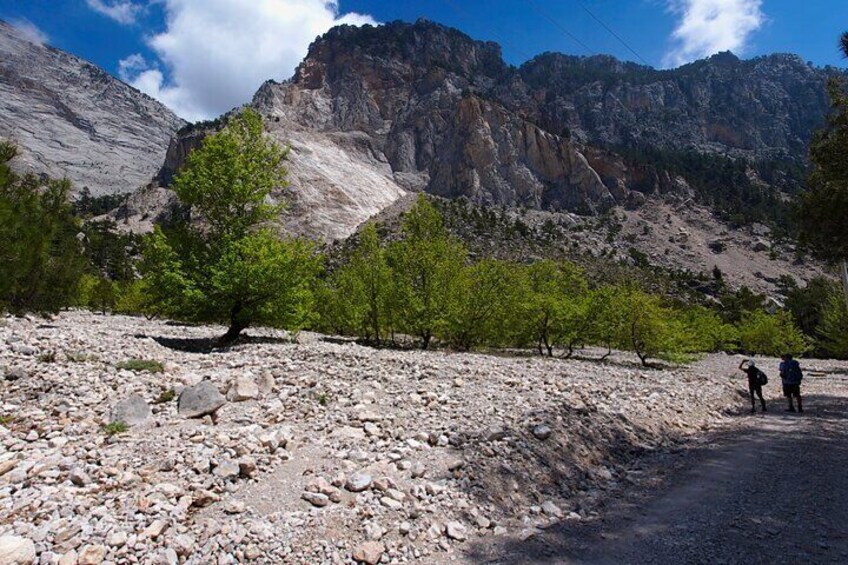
[790, 372]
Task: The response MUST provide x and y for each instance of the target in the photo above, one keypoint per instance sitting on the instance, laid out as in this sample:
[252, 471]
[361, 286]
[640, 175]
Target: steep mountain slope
[763, 108]
[375, 112]
[70, 118]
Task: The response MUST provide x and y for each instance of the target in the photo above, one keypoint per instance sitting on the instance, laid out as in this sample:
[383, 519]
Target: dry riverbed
[324, 452]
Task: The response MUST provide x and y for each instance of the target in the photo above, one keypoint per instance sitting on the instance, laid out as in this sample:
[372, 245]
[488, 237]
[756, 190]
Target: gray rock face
[763, 108]
[375, 113]
[200, 400]
[133, 411]
[70, 118]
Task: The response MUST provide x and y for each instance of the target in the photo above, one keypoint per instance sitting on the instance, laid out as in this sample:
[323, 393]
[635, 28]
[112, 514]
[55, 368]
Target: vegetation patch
[140, 365]
[166, 396]
[47, 357]
[115, 428]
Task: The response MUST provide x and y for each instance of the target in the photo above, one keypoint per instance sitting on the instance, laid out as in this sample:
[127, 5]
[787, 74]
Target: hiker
[791, 375]
[756, 380]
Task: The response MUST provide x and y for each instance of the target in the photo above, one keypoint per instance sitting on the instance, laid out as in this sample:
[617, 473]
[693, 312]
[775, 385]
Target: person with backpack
[791, 375]
[756, 380]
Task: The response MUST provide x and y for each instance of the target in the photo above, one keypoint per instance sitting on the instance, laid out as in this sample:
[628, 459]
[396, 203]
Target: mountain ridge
[70, 118]
[430, 109]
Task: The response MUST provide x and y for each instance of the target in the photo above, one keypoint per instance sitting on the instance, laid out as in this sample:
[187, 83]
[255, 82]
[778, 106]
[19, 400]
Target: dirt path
[775, 491]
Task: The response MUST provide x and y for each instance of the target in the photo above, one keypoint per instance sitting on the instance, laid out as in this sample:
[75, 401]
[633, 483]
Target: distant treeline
[419, 288]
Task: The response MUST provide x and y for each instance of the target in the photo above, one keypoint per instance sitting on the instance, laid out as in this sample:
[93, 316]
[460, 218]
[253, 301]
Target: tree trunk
[643, 358]
[232, 334]
[425, 340]
[237, 325]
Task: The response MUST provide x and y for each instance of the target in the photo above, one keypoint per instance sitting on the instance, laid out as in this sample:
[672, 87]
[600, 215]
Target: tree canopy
[226, 263]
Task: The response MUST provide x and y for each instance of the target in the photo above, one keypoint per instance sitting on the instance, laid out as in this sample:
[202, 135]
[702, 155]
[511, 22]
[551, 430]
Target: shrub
[80, 357]
[47, 357]
[166, 396]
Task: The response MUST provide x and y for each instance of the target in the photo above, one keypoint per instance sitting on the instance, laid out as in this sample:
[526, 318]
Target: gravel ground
[772, 488]
[328, 452]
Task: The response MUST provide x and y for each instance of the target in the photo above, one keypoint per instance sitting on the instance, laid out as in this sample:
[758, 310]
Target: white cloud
[130, 67]
[122, 11]
[30, 31]
[218, 52]
[709, 26]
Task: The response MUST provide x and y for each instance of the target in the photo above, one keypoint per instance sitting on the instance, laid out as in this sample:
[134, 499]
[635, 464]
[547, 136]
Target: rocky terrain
[375, 112]
[72, 119]
[316, 450]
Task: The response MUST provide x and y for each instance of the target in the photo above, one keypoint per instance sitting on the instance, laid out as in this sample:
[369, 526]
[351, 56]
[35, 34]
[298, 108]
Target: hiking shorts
[792, 390]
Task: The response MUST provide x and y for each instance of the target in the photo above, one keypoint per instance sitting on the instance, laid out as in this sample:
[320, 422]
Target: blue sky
[202, 57]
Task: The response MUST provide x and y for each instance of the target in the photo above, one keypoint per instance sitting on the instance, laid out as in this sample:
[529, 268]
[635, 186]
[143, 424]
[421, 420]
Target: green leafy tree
[359, 293]
[607, 307]
[552, 306]
[824, 207]
[41, 259]
[226, 264]
[650, 329]
[426, 265]
[485, 305]
[833, 329]
[806, 303]
[771, 334]
[707, 332]
[736, 305]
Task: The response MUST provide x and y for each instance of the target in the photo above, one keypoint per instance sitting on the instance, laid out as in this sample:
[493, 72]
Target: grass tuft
[115, 428]
[148, 365]
[48, 357]
[166, 396]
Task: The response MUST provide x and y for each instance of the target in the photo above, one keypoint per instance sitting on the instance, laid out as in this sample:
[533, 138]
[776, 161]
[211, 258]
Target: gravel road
[774, 489]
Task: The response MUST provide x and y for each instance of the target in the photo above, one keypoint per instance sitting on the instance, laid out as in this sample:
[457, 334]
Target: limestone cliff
[72, 119]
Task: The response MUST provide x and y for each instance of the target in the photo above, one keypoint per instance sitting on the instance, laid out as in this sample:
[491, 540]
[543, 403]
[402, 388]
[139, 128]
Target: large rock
[16, 550]
[133, 411]
[358, 482]
[92, 555]
[369, 552]
[200, 400]
[242, 388]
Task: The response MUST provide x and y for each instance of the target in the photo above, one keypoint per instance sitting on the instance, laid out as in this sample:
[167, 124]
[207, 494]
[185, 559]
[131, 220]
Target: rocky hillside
[319, 452]
[72, 119]
[375, 112]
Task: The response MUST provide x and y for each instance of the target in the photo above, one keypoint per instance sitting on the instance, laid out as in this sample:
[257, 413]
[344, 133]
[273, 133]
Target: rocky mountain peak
[346, 52]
